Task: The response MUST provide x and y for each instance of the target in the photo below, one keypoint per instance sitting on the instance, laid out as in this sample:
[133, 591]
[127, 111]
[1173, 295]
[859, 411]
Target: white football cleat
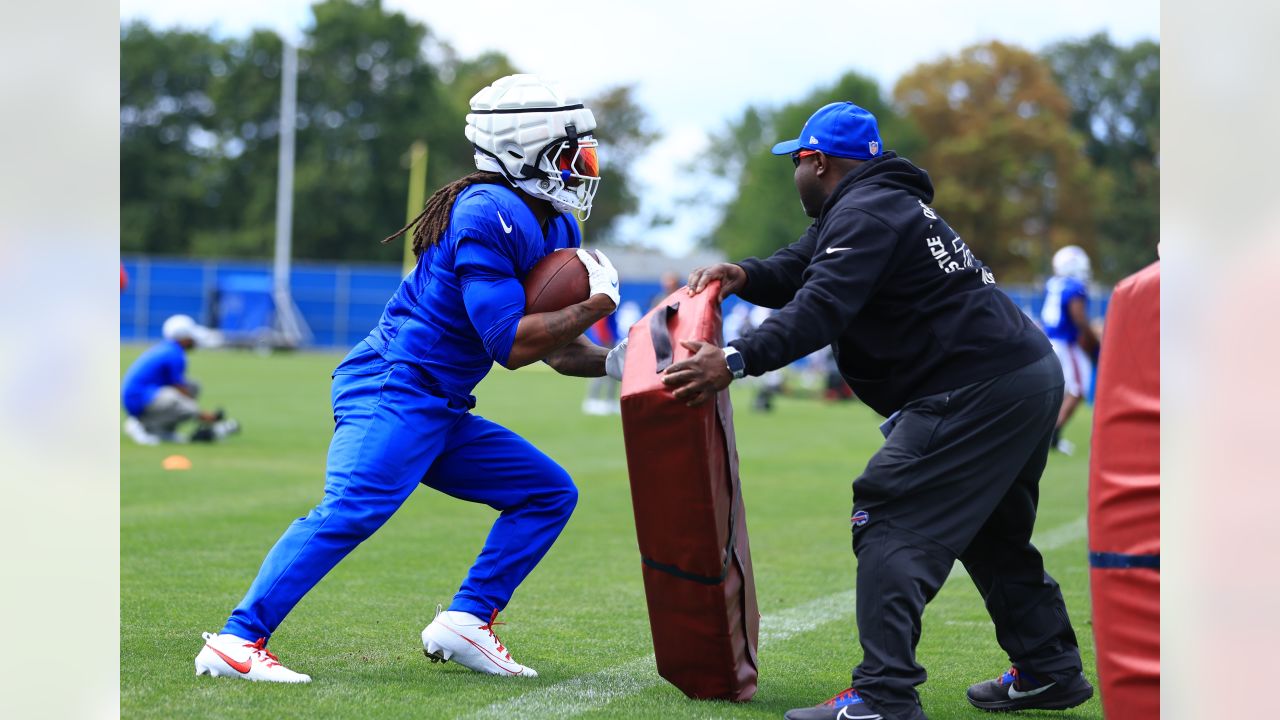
[470, 642]
[231, 656]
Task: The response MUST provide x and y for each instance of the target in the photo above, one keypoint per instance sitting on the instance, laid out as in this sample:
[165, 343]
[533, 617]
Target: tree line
[199, 134]
[1028, 151]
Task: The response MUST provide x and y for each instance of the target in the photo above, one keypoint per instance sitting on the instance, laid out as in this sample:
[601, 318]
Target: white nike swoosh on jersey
[836, 249]
[1018, 695]
[505, 226]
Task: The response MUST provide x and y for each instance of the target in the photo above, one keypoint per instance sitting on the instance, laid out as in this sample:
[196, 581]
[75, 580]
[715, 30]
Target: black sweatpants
[958, 477]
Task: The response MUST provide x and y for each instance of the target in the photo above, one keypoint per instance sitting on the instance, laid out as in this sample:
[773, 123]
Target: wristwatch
[736, 364]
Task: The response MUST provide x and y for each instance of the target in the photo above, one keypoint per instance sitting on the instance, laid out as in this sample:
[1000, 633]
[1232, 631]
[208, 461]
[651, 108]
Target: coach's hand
[732, 278]
[699, 378]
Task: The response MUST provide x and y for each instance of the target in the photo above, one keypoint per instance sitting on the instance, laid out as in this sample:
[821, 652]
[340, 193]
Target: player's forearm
[1088, 341]
[581, 358]
[1085, 337]
[537, 336]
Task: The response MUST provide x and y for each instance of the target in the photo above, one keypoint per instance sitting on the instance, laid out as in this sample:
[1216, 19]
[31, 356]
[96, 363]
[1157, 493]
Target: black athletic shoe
[1023, 691]
[845, 706]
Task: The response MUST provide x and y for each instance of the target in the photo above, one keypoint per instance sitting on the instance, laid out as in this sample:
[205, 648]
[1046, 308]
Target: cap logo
[873, 146]
[813, 140]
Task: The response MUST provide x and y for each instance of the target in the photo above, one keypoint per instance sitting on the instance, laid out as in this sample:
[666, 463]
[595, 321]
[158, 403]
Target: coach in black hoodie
[971, 391]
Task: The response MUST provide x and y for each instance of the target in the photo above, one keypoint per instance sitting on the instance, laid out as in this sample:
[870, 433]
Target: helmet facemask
[568, 174]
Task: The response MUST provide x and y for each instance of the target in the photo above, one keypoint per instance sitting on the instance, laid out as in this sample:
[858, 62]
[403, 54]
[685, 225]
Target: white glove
[601, 275]
[616, 360]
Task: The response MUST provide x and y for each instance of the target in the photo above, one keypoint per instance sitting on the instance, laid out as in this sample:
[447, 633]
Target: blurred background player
[1065, 316]
[159, 396]
[668, 283]
[602, 392]
[770, 383]
[402, 397]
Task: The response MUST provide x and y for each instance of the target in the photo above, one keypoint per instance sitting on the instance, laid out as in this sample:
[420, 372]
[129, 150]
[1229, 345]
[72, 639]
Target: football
[556, 282]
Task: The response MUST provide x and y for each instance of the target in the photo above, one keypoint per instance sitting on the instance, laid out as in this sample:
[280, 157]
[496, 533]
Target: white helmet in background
[181, 327]
[1073, 262]
[539, 137]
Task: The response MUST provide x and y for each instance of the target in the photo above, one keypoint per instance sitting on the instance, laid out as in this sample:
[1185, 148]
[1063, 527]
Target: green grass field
[192, 540]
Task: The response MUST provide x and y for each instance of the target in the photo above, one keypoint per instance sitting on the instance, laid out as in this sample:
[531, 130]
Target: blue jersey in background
[161, 365]
[1059, 292]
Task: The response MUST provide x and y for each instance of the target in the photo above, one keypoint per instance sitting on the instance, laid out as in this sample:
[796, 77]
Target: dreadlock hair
[434, 218]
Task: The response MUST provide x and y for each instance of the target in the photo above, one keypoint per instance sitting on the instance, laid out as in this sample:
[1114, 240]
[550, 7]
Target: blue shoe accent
[847, 705]
[1015, 690]
[844, 699]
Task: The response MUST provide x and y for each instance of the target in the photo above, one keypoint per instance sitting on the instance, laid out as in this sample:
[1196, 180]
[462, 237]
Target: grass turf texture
[192, 540]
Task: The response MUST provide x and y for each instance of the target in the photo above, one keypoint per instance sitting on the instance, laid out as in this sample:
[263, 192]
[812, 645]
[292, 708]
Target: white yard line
[577, 695]
[589, 692]
[1062, 535]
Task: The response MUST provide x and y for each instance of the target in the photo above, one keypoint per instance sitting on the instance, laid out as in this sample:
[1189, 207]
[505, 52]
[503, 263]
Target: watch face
[735, 362]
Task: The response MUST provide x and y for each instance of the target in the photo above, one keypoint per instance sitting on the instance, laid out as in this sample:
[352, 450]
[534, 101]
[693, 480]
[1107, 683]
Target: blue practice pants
[392, 433]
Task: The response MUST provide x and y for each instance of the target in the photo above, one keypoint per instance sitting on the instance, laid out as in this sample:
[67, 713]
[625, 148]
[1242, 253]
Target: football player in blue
[1065, 317]
[402, 398]
[158, 396]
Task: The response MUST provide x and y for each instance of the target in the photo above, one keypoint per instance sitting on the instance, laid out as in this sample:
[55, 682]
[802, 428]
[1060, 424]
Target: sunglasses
[800, 154]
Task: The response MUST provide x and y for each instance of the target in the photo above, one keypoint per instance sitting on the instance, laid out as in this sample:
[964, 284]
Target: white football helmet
[1073, 262]
[182, 327]
[539, 137]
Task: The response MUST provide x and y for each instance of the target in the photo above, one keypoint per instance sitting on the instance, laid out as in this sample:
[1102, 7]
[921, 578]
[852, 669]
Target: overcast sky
[697, 65]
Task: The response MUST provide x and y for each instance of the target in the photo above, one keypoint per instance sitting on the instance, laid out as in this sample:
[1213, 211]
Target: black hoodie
[879, 276]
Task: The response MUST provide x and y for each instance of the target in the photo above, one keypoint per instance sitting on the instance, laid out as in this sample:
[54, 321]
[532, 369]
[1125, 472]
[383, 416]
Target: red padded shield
[690, 519]
[1124, 499]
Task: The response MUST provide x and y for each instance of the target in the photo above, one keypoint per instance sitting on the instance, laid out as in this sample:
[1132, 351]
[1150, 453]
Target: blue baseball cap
[841, 129]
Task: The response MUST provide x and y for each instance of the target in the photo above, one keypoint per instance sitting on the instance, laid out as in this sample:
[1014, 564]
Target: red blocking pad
[1124, 501]
[690, 518]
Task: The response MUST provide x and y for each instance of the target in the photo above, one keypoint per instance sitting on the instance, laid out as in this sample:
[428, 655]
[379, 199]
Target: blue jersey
[456, 312]
[1059, 292]
[164, 364]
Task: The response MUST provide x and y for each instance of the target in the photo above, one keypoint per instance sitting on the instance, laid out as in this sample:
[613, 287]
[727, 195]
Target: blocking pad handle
[661, 335]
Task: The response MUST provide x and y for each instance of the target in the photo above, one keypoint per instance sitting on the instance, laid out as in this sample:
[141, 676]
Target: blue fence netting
[339, 302]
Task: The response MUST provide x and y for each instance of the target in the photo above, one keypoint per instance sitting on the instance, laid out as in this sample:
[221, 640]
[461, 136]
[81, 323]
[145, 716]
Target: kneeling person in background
[159, 396]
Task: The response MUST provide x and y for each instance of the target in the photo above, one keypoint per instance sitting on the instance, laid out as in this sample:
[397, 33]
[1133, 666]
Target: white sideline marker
[595, 690]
